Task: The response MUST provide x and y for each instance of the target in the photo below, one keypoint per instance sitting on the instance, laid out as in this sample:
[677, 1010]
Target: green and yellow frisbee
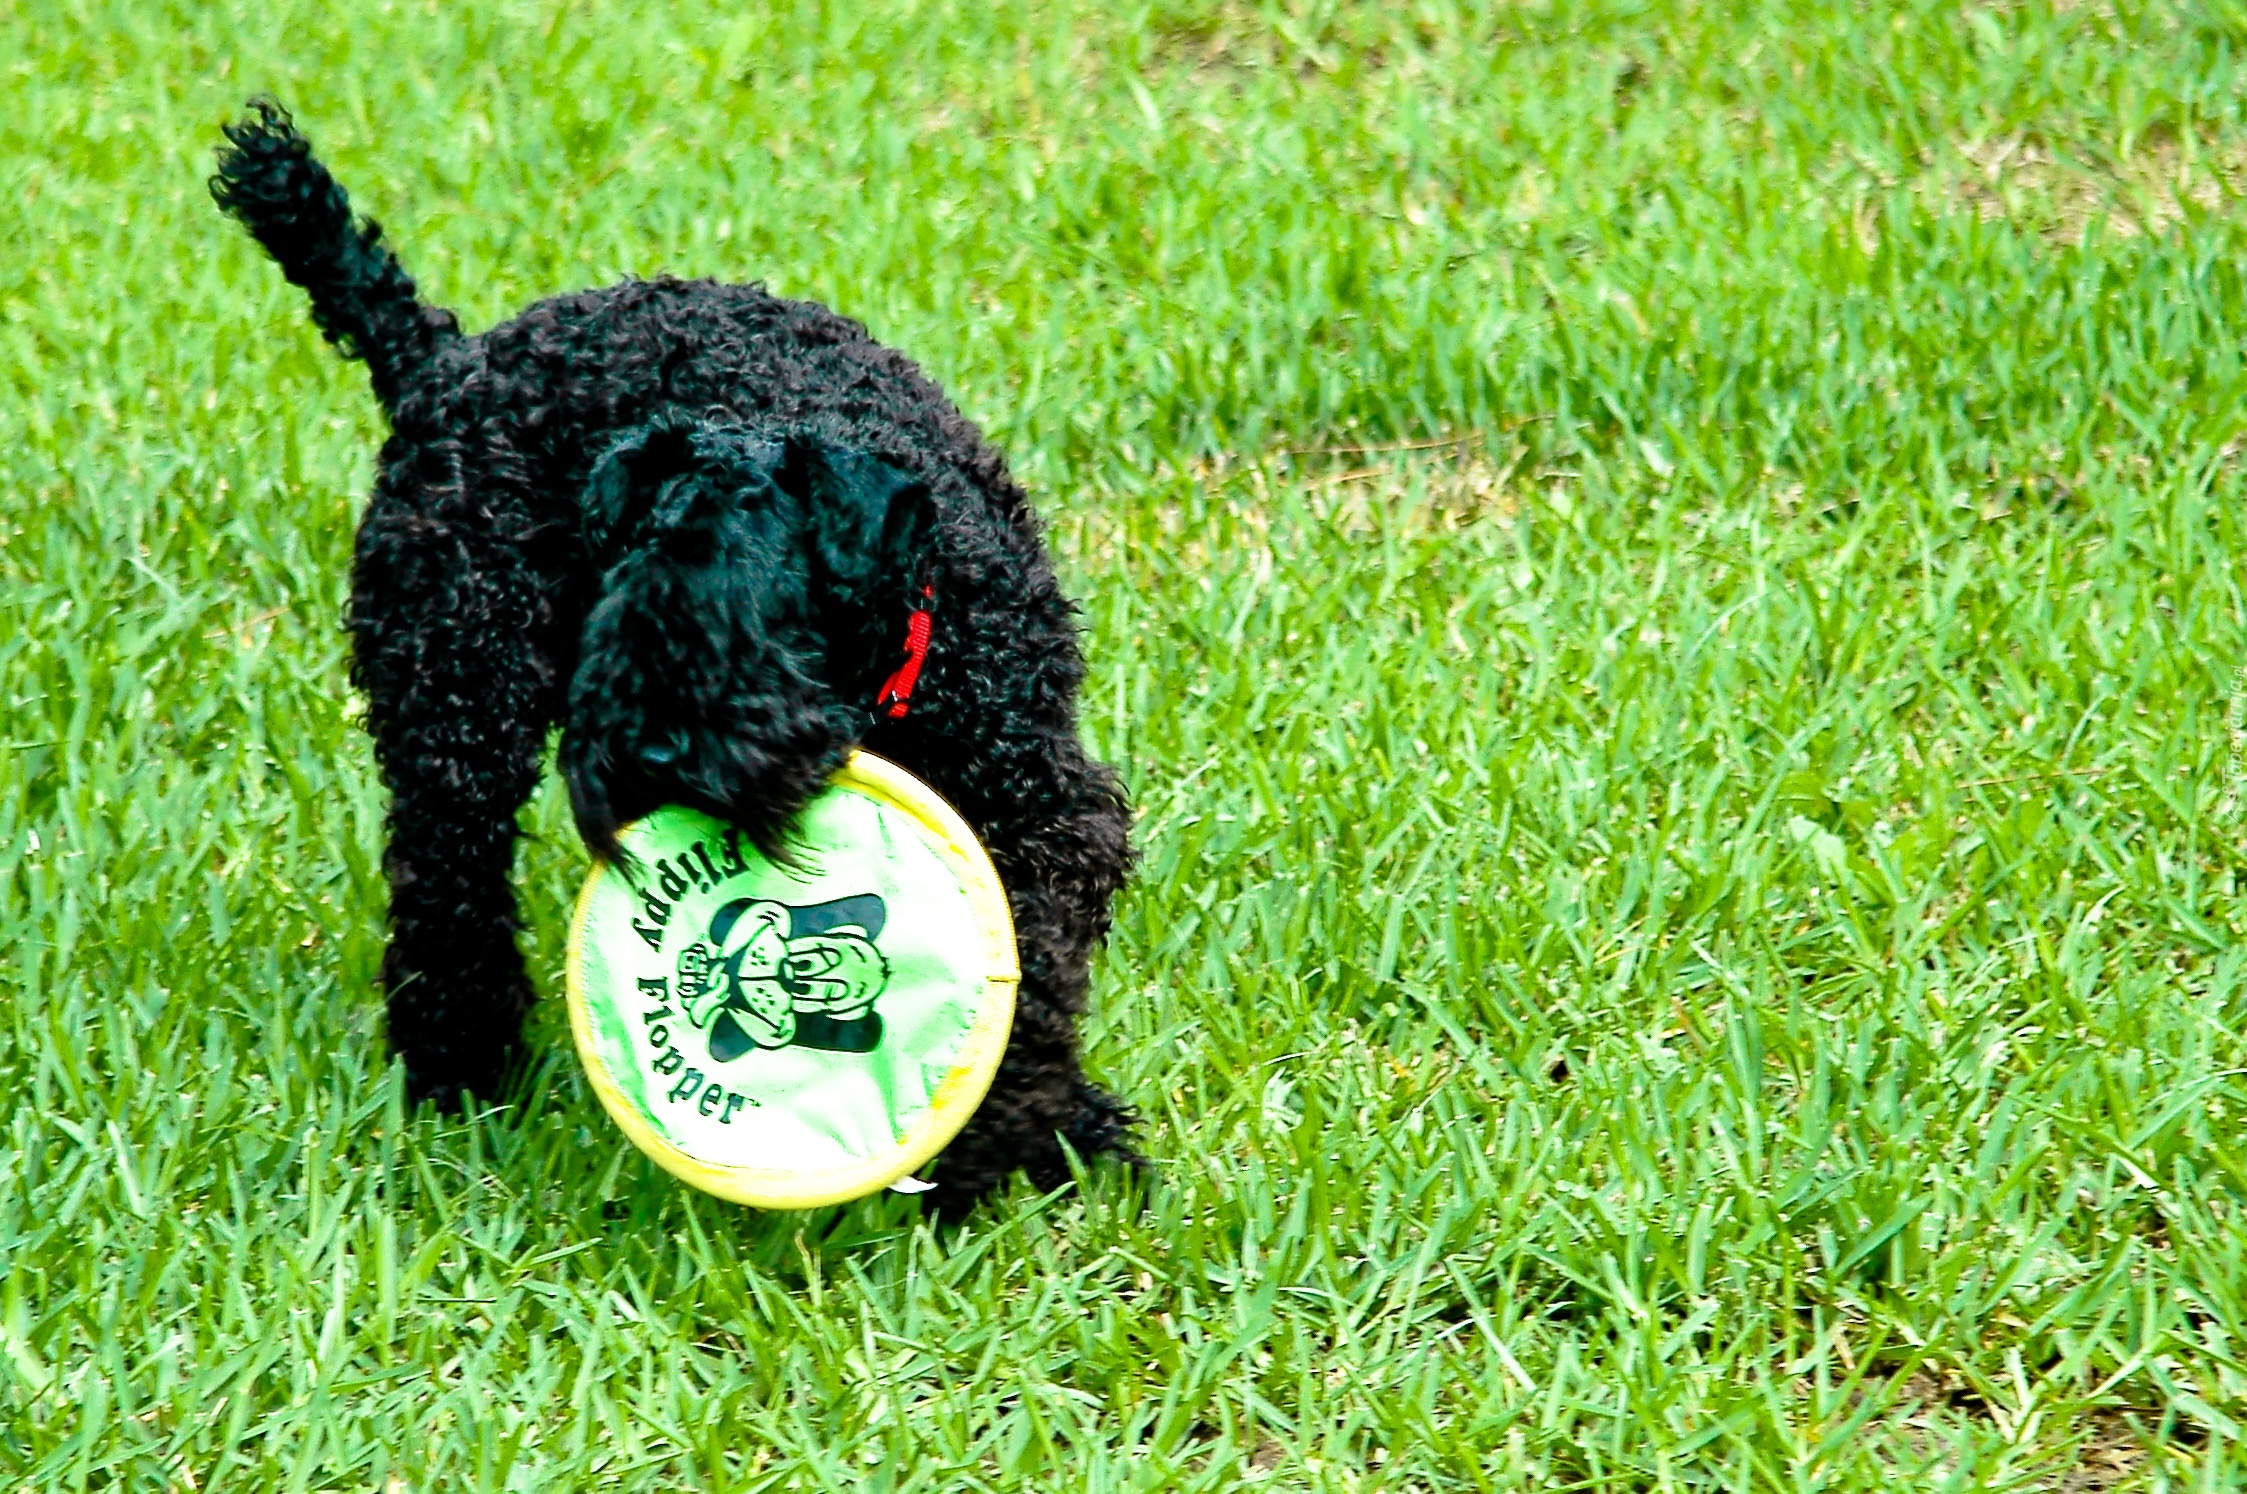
[792, 1036]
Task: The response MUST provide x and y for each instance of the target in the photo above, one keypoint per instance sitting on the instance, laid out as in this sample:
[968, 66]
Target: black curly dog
[688, 522]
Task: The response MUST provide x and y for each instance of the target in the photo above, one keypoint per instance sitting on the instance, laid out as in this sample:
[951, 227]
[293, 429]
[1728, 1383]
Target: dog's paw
[1103, 1126]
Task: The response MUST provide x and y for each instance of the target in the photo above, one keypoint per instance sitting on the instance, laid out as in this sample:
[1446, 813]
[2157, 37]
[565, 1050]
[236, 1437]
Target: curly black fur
[686, 521]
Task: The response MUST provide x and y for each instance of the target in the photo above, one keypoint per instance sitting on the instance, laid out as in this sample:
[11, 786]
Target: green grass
[1662, 576]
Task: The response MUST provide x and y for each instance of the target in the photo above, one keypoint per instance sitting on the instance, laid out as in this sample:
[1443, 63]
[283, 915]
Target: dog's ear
[626, 478]
[700, 676]
[869, 524]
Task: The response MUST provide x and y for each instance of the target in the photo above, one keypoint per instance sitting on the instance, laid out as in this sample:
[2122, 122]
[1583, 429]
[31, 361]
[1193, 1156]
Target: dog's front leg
[1063, 862]
[447, 622]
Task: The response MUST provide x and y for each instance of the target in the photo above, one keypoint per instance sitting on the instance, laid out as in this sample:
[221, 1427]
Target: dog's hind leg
[448, 620]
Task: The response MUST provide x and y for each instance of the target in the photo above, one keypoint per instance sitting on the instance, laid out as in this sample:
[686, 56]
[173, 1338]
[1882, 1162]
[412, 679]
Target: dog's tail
[362, 298]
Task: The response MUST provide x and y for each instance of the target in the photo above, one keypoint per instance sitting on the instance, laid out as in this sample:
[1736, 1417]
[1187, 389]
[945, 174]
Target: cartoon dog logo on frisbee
[771, 974]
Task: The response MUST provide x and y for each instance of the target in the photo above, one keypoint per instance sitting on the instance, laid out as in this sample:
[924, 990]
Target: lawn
[1662, 576]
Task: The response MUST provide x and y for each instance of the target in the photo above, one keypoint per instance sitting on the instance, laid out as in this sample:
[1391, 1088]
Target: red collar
[897, 694]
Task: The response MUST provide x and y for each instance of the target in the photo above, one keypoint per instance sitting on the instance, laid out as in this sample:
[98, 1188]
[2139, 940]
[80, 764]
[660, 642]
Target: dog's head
[743, 580]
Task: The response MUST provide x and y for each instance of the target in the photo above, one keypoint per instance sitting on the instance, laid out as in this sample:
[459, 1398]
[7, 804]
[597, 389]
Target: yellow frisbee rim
[956, 1097]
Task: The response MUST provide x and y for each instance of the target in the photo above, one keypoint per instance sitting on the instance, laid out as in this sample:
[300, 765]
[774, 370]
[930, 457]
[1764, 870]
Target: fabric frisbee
[788, 1036]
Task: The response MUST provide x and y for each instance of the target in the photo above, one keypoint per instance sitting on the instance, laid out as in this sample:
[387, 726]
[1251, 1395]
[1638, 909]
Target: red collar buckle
[897, 694]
